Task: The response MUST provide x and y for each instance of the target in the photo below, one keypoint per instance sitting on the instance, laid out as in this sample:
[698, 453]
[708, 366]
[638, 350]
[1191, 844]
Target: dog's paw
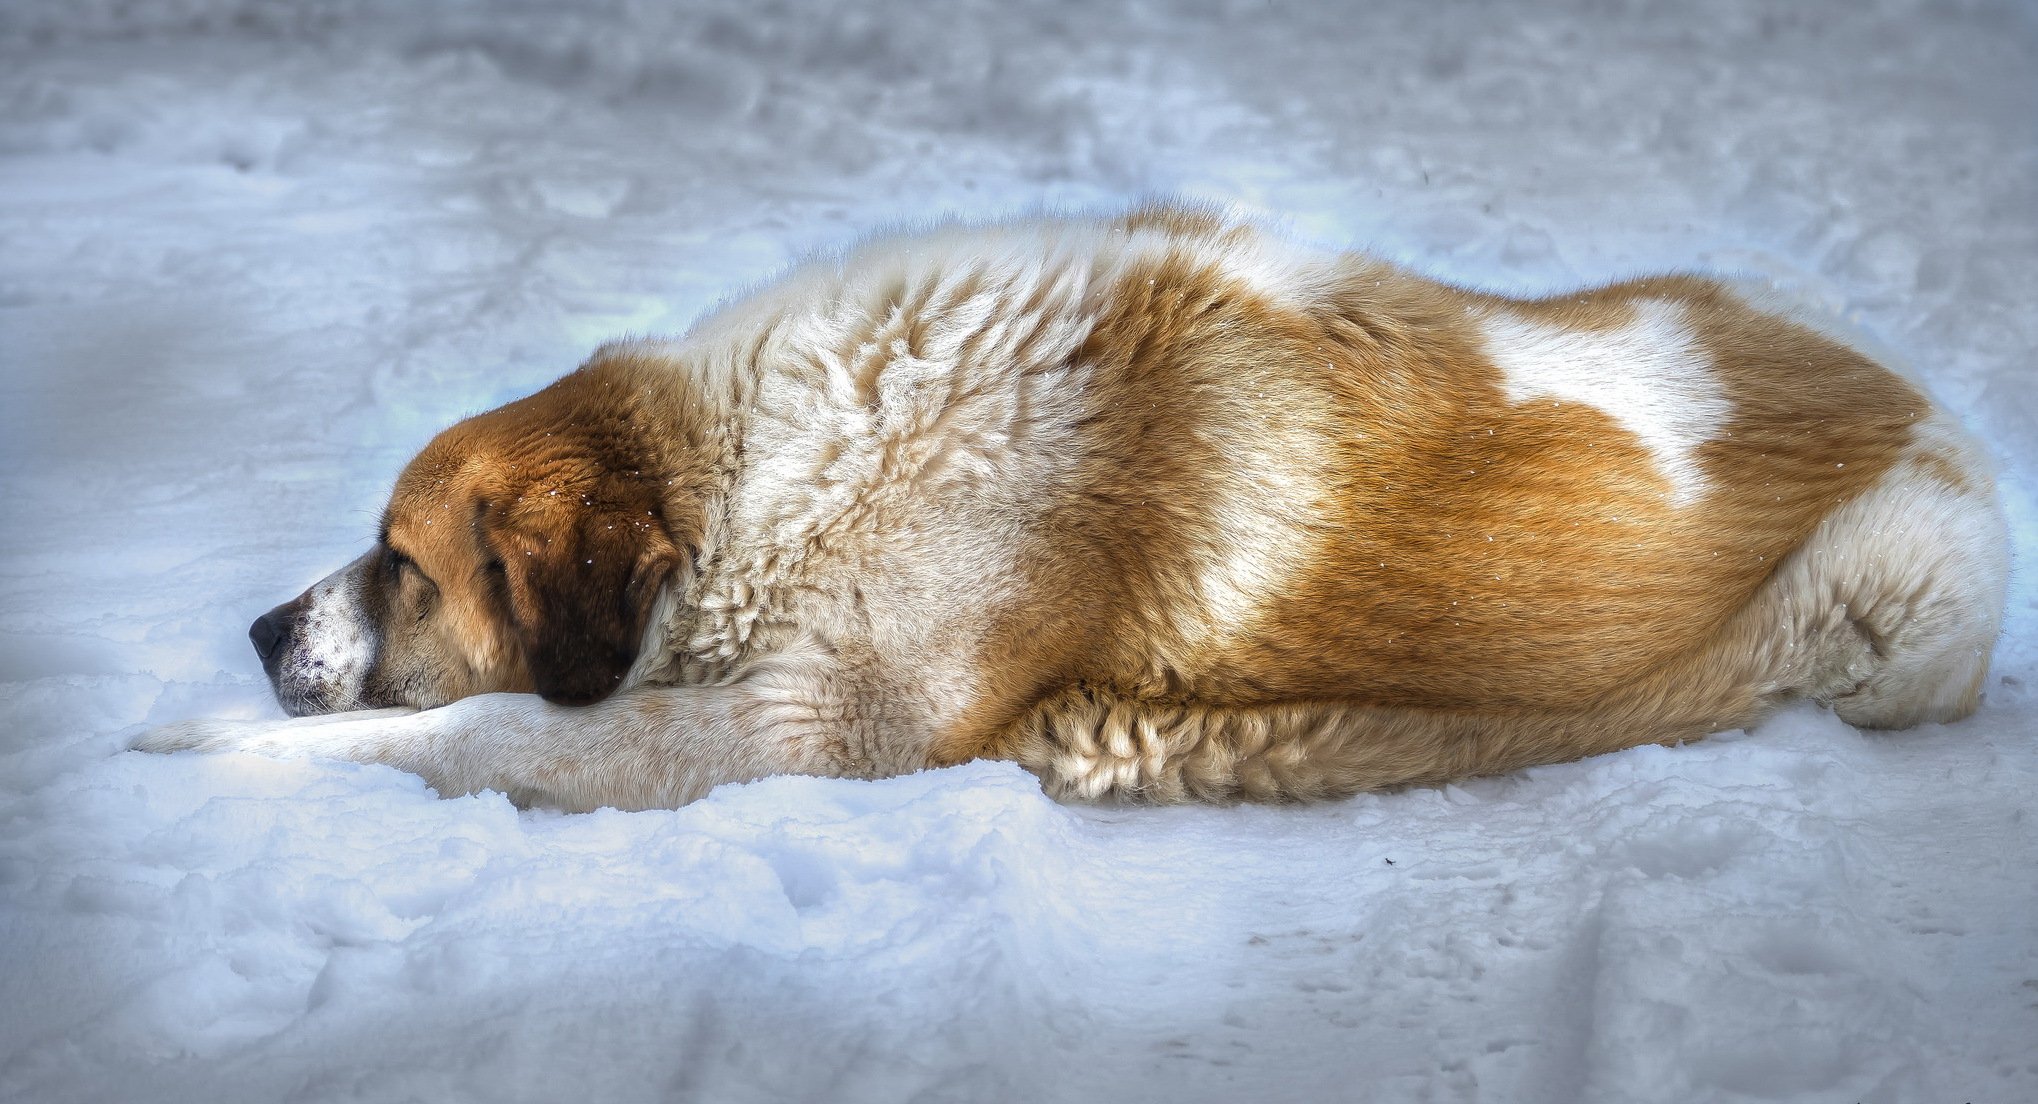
[200, 735]
[332, 734]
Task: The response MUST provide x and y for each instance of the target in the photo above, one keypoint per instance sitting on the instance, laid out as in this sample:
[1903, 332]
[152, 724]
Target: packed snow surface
[252, 255]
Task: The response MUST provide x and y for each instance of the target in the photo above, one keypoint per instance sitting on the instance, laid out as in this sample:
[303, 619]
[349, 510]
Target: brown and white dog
[1162, 507]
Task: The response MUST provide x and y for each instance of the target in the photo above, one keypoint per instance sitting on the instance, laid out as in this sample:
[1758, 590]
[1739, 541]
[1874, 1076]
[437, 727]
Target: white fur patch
[1254, 555]
[898, 399]
[1283, 271]
[332, 648]
[1651, 376]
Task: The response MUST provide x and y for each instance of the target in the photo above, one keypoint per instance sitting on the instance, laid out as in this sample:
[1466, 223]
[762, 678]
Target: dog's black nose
[266, 633]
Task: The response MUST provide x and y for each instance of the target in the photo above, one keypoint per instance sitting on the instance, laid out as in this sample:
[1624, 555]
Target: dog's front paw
[334, 735]
[199, 735]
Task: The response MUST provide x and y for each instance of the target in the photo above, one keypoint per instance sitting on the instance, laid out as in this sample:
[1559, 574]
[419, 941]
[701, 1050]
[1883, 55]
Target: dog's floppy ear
[580, 585]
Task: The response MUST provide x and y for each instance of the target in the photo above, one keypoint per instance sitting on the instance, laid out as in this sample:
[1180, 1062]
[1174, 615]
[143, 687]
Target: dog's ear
[579, 585]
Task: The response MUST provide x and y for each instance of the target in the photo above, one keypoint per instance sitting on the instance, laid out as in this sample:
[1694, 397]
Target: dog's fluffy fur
[1160, 506]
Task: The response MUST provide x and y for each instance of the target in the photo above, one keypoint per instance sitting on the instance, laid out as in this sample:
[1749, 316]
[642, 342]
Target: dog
[1163, 507]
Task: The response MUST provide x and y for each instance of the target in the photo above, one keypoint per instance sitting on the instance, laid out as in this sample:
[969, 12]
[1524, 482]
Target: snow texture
[253, 254]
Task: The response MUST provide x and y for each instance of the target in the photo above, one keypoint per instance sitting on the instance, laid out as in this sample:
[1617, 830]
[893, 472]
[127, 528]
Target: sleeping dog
[1161, 507]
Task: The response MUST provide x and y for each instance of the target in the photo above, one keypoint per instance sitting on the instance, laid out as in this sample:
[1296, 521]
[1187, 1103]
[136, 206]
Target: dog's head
[523, 550]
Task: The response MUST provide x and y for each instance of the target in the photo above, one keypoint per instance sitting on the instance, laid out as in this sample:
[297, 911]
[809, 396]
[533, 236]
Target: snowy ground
[252, 255]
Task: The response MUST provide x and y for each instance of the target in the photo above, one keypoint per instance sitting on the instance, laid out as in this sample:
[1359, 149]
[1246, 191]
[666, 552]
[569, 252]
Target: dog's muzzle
[317, 648]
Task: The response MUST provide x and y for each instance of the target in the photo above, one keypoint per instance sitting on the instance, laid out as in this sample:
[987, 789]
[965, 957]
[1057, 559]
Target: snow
[253, 255]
